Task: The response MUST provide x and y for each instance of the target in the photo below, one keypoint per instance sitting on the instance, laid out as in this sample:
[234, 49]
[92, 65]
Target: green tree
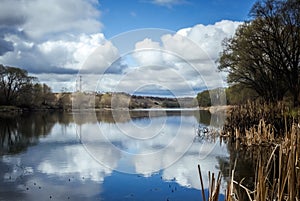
[203, 99]
[281, 21]
[238, 94]
[211, 97]
[264, 54]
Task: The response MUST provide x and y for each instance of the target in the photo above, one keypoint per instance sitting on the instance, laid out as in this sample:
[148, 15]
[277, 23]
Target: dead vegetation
[277, 172]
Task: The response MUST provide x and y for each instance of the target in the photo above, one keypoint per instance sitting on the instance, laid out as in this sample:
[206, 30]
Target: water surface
[121, 155]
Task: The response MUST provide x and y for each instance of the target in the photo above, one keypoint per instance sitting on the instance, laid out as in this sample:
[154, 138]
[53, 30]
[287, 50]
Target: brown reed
[213, 186]
[277, 175]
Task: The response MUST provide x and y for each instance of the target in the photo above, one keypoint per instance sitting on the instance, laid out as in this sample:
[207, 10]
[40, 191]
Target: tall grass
[266, 120]
[277, 172]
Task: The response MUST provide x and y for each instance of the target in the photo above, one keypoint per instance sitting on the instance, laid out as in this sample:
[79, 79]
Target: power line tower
[79, 84]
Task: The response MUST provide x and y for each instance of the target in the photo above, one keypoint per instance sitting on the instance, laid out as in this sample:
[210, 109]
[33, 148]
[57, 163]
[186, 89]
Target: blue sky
[57, 40]
[135, 14]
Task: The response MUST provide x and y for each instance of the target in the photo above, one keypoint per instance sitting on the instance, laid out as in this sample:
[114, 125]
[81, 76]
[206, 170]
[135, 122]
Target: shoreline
[218, 108]
[5, 110]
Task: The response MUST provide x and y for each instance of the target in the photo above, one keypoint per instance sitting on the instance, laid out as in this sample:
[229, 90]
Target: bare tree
[13, 82]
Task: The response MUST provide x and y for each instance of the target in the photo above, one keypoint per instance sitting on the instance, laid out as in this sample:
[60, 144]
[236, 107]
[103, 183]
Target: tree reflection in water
[58, 162]
[246, 159]
[19, 132]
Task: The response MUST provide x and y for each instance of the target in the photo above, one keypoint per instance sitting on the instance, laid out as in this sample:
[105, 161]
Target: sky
[153, 47]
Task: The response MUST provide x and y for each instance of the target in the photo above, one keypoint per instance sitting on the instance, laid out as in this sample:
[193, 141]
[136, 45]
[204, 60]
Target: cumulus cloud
[147, 52]
[105, 59]
[39, 19]
[178, 64]
[45, 37]
[209, 38]
[181, 62]
[60, 56]
[64, 38]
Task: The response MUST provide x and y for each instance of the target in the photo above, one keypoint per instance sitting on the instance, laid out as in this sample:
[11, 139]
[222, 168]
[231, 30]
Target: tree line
[236, 94]
[19, 89]
[264, 54]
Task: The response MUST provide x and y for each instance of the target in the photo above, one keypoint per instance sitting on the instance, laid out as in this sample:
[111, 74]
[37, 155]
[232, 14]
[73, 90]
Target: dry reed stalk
[278, 176]
[201, 182]
[213, 188]
[263, 133]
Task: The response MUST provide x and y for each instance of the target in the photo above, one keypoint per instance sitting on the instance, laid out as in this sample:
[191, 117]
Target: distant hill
[123, 100]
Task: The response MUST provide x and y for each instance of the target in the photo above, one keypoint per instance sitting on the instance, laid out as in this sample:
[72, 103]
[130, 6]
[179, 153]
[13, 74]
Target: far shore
[211, 109]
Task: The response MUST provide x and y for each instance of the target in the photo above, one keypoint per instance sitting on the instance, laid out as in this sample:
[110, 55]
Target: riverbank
[270, 134]
[219, 109]
[10, 110]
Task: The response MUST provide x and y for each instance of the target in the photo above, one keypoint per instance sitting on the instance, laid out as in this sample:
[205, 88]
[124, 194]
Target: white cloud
[53, 36]
[168, 3]
[58, 82]
[209, 38]
[148, 52]
[38, 18]
[52, 56]
[63, 37]
[101, 59]
[182, 62]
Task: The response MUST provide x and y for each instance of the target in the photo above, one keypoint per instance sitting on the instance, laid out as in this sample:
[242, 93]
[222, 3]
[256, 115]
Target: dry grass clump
[277, 172]
[257, 123]
[277, 177]
[262, 133]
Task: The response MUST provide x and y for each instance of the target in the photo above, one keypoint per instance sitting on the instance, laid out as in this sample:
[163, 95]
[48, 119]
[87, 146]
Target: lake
[108, 155]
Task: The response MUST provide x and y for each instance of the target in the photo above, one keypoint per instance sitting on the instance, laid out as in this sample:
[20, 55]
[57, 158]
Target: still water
[120, 155]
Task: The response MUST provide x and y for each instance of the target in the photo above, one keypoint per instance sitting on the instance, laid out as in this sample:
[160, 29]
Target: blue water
[82, 156]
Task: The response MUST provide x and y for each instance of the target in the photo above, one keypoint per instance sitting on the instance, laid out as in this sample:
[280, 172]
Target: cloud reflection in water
[172, 152]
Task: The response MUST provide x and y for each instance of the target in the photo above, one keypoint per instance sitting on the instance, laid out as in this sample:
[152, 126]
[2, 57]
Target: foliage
[64, 100]
[211, 97]
[203, 99]
[19, 89]
[170, 104]
[14, 82]
[238, 94]
[264, 54]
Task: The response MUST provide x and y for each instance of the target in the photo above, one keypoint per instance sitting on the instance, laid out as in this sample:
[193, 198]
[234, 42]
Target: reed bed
[260, 122]
[258, 126]
[278, 178]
